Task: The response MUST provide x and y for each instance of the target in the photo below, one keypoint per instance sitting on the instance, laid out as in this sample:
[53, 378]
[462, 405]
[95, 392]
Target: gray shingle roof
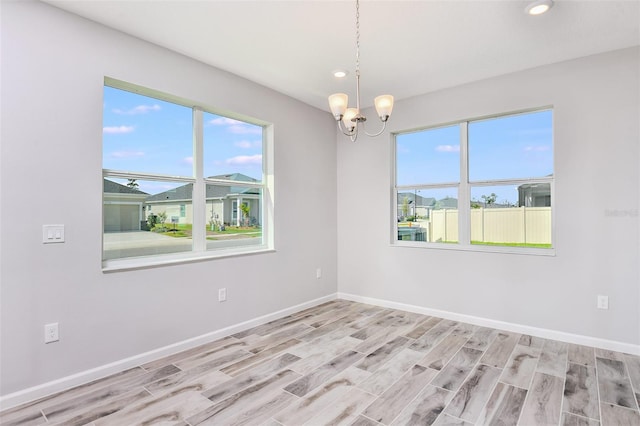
[111, 187]
[417, 199]
[185, 192]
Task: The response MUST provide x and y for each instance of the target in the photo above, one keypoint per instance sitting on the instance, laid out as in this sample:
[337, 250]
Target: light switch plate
[52, 234]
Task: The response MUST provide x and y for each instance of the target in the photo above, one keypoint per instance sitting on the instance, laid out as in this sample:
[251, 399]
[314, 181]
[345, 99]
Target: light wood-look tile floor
[355, 364]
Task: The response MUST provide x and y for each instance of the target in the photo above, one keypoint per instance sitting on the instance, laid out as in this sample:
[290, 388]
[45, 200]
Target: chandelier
[347, 118]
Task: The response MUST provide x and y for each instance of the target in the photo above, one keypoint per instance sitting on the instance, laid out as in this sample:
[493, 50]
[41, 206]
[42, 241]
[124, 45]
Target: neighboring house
[447, 203]
[222, 202]
[123, 207]
[417, 204]
[534, 195]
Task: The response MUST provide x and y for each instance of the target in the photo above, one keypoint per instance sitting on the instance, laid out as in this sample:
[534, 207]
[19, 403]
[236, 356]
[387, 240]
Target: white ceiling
[407, 47]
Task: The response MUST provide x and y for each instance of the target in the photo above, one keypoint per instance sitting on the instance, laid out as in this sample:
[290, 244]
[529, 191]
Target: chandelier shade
[338, 102]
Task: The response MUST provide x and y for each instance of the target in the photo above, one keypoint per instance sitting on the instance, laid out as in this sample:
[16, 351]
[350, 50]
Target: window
[477, 183]
[173, 177]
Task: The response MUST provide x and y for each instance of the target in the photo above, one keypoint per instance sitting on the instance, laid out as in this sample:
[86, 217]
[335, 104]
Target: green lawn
[530, 245]
[480, 243]
[185, 230]
[235, 230]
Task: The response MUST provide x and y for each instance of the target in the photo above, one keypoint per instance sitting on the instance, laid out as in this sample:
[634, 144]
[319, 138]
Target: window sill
[477, 248]
[137, 263]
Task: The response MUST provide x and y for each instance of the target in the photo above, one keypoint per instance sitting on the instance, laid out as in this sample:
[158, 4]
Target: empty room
[319, 212]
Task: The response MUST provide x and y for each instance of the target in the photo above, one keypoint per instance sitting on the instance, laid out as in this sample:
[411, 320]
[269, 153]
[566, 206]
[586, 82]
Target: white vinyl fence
[520, 225]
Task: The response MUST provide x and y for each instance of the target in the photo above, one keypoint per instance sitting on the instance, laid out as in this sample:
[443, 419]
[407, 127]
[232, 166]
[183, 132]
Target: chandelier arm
[345, 131]
[384, 126]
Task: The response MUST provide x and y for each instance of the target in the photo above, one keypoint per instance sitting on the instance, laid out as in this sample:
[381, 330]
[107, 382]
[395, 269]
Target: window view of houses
[159, 200]
[508, 175]
[525, 223]
[140, 224]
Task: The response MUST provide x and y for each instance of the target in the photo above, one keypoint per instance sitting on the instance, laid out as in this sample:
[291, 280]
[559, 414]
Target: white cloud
[237, 127]
[448, 148]
[187, 160]
[117, 129]
[537, 148]
[126, 154]
[244, 160]
[140, 109]
[247, 144]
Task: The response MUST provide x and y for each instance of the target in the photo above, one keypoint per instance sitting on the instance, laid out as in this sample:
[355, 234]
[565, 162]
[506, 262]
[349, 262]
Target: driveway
[119, 245]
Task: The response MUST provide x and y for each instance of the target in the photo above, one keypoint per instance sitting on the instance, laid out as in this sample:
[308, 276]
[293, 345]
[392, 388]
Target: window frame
[464, 191]
[199, 250]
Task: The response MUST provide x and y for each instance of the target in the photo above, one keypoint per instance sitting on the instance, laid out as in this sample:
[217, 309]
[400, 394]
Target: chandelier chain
[357, 37]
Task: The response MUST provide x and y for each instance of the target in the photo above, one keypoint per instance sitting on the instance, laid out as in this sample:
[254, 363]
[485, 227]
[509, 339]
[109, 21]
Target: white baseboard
[45, 389]
[501, 325]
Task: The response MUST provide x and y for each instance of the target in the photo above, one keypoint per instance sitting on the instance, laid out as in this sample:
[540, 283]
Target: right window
[483, 182]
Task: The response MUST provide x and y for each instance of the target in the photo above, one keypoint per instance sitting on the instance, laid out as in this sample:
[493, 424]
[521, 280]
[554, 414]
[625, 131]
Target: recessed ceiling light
[340, 73]
[538, 7]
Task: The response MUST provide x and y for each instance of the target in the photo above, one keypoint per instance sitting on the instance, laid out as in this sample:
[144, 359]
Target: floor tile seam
[468, 375]
[512, 385]
[390, 385]
[530, 389]
[278, 342]
[412, 399]
[620, 406]
[451, 359]
[327, 403]
[63, 393]
[369, 418]
[442, 413]
[491, 340]
[628, 379]
[46, 420]
[218, 368]
[595, 367]
[487, 397]
[98, 404]
[533, 375]
[355, 385]
[175, 364]
[239, 390]
[466, 345]
[491, 415]
[564, 386]
[579, 415]
[286, 391]
[628, 376]
[15, 413]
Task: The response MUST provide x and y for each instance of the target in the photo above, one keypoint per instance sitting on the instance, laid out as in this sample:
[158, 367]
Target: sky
[510, 147]
[143, 134]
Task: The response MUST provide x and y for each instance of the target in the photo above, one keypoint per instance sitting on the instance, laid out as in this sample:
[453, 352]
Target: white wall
[53, 65]
[596, 136]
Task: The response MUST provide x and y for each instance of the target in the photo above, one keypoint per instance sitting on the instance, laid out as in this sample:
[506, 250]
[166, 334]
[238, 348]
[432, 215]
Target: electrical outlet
[222, 294]
[603, 302]
[318, 273]
[51, 333]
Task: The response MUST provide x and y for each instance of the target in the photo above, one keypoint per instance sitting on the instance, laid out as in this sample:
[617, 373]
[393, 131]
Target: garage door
[121, 217]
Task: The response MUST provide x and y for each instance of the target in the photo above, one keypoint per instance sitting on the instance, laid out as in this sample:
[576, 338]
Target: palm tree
[245, 213]
[133, 184]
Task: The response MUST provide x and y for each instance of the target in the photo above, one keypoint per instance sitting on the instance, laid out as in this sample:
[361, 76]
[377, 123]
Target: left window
[174, 175]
